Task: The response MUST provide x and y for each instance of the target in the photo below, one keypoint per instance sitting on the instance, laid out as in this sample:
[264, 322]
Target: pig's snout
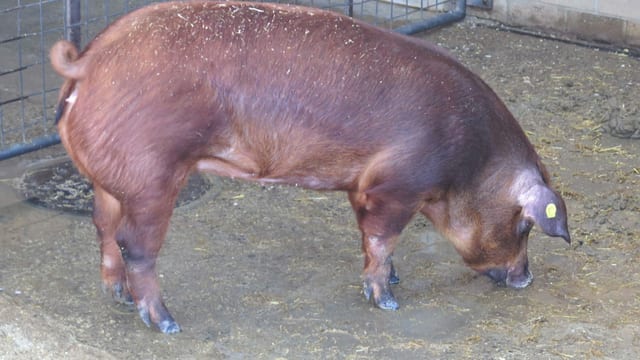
[517, 277]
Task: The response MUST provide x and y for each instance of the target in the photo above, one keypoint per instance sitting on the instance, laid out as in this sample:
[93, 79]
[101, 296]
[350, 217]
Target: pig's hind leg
[381, 217]
[107, 216]
[145, 219]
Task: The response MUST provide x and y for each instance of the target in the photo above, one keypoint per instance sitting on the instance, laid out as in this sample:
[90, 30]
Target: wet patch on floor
[59, 186]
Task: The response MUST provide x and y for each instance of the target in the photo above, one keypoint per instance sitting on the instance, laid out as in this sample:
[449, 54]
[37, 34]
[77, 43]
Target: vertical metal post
[349, 8]
[72, 17]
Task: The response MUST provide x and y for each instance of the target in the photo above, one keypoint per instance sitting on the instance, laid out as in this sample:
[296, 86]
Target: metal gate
[28, 28]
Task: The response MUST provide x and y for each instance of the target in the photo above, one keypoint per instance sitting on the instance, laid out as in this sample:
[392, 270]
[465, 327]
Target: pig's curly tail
[65, 61]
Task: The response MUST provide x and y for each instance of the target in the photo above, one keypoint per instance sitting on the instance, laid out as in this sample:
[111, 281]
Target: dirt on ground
[274, 272]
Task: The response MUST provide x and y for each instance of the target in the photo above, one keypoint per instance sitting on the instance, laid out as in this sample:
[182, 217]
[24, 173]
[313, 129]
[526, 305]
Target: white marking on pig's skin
[108, 262]
[72, 98]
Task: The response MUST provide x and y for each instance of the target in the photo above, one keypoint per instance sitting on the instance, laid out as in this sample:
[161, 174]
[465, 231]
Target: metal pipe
[72, 18]
[349, 8]
[457, 14]
[24, 148]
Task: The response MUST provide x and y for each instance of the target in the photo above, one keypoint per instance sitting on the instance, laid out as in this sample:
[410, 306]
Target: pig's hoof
[166, 325]
[118, 292]
[393, 278]
[387, 302]
[169, 327]
[383, 298]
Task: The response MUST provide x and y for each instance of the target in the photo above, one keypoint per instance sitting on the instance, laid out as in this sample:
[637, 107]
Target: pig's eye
[524, 226]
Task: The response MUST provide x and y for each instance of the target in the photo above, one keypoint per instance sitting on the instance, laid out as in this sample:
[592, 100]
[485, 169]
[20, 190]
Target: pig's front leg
[378, 272]
[381, 218]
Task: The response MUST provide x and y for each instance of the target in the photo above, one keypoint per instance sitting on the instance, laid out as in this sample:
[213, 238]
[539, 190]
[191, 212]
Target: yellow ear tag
[550, 210]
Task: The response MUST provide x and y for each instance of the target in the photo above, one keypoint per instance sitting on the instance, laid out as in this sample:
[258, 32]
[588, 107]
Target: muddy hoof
[167, 325]
[383, 300]
[393, 278]
[388, 303]
[118, 293]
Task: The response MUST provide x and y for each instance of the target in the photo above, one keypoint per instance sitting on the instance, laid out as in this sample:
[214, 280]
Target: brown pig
[293, 95]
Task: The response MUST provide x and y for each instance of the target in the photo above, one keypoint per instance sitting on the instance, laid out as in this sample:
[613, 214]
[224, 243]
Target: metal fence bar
[27, 102]
[23, 72]
[72, 18]
[20, 77]
[26, 147]
[457, 14]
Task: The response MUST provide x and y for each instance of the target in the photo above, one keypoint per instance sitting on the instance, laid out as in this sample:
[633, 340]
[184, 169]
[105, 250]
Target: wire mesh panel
[28, 28]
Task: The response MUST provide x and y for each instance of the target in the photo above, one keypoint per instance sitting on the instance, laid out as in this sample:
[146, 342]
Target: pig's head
[489, 225]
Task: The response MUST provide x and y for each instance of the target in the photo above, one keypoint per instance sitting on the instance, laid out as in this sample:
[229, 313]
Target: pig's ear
[546, 209]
